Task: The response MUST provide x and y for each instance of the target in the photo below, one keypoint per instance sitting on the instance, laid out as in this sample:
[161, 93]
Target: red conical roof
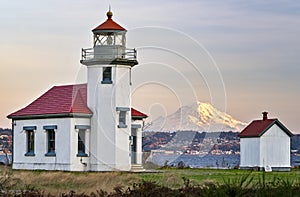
[109, 24]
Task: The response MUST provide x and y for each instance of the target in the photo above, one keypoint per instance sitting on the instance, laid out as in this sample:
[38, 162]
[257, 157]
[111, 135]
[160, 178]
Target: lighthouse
[85, 127]
[109, 65]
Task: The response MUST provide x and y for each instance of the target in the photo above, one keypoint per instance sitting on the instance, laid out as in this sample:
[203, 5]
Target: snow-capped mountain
[197, 117]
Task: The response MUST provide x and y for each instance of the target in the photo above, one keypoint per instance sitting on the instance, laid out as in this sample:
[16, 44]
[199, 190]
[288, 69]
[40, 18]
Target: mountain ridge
[199, 116]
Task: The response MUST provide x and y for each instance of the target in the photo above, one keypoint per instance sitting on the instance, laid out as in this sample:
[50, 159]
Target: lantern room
[109, 33]
[109, 45]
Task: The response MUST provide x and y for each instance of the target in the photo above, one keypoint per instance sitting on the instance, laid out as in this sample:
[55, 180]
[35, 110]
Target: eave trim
[43, 116]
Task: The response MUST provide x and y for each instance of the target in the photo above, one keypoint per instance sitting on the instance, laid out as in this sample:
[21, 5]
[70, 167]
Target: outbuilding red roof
[62, 100]
[109, 24]
[258, 127]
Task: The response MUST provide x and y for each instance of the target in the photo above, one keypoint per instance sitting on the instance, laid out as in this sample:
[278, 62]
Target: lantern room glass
[109, 39]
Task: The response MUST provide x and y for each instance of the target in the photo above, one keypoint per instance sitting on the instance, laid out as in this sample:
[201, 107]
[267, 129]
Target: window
[122, 116]
[51, 140]
[106, 78]
[109, 40]
[30, 143]
[122, 119]
[82, 139]
[81, 143]
[50, 131]
[29, 131]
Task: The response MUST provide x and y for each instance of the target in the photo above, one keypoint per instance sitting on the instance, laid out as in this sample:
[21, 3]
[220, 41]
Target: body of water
[3, 159]
[194, 161]
[210, 161]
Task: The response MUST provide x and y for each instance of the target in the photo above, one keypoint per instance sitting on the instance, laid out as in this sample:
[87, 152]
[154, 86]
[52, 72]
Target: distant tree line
[154, 140]
[6, 131]
[295, 142]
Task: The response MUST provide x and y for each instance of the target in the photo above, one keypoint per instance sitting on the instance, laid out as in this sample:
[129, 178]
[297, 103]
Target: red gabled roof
[69, 99]
[58, 100]
[258, 127]
[109, 24]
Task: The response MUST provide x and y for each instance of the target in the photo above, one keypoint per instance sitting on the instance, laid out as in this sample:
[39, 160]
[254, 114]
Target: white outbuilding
[265, 144]
[85, 127]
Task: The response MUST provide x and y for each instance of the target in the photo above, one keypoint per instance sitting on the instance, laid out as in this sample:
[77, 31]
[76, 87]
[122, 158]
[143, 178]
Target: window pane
[51, 140]
[81, 141]
[107, 74]
[122, 118]
[30, 141]
[133, 146]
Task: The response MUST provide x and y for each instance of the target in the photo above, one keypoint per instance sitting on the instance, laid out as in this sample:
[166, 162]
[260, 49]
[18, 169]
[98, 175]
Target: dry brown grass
[58, 182]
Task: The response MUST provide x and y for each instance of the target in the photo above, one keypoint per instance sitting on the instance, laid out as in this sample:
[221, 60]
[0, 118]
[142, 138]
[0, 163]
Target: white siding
[139, 140]
[275, 148]
[101, 101]
[79, 163]
[123, 99]
[110, 145]
[64, 145]
[249, 152]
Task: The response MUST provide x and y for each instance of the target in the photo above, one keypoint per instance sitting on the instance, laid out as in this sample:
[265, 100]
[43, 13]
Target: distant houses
[265, 143]
[5, 142]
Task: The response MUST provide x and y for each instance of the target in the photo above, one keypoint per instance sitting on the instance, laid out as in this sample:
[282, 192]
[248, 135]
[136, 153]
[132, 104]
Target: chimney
[265, 115]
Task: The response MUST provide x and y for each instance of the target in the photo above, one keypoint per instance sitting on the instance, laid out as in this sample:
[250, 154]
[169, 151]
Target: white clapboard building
[85, 127]
[265, 144]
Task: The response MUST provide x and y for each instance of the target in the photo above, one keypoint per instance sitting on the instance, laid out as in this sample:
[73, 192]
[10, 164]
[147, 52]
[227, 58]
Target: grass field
[63, 182]
[174, 177]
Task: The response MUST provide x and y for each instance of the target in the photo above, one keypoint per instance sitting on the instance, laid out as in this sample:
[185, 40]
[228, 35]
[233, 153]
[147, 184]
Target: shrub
[181, 165]
[7, 180]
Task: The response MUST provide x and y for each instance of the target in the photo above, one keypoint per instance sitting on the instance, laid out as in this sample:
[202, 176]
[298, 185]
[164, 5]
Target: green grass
[200, 176]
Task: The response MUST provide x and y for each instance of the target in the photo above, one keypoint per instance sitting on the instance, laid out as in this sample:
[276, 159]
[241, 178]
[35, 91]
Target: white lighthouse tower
[109, 64]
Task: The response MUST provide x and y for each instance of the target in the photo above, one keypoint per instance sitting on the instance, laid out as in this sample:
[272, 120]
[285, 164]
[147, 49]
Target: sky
[240, 56]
